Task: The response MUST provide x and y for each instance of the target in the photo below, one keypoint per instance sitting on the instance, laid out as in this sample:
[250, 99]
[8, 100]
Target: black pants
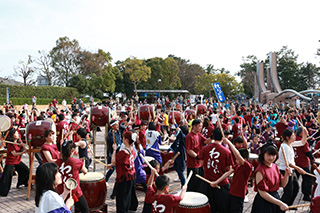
[307, 182]
[217, 197]
[194, 183]
[82, 205]
[6, 179]
[291, 190]
[126, 198]
[234, 204]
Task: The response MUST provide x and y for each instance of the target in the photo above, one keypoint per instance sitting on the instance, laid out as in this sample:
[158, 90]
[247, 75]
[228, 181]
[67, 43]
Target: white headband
[116, 122]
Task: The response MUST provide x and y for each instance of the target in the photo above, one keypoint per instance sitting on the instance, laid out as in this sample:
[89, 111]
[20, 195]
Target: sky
[203, 31]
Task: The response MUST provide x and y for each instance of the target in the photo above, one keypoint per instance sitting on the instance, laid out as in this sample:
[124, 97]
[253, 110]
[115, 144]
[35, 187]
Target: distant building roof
[163, 91]
[10, 81]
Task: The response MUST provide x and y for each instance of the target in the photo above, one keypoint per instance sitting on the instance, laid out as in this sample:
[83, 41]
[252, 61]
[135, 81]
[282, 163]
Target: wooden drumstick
[220, 127]
[147, 163]
[14, 143]
[100, 162]
[189, 177]
[174, 188]
[156, 150]
[316, 167]
[285, 157]
[206, 180]
[315, 133]
[176, 155]
[298, 206]
[315, 152]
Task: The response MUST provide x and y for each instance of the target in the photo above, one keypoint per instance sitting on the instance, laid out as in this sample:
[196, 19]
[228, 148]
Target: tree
[288, 69]
[165, 69]
[65, 60]
[25, 71]
[96, 74]
[204, 84]
[248, 73]
[188, 73]
[137, 71]
[310, 74]
[44, 67]
[229, 85]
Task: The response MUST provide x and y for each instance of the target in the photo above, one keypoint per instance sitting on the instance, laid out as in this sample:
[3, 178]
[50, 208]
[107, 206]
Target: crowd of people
[217, 144]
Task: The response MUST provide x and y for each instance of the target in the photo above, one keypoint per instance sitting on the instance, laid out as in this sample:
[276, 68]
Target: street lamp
[159, 82]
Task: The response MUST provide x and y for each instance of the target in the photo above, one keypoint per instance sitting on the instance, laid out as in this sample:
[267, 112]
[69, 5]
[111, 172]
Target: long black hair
[45, 177]
[66, 150]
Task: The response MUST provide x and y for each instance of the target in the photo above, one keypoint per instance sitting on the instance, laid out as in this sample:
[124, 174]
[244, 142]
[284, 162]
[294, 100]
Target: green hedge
[41, 101]
[45, 92]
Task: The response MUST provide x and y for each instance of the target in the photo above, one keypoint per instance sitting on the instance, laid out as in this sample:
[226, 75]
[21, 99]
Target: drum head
[71, 184]
[194, 199]
[253, 156]
[148, 158]
[317, 161]
[164, 147]
[5, 123]
[49, 119]
[91, 177]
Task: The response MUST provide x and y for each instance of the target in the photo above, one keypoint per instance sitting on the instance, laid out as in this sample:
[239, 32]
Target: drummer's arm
[151, 178]
[183, 191]
[244, 141]
[48, 156]
[191, 153]
[113, 158]
[234, 150]
[224, 176]
[84, 170]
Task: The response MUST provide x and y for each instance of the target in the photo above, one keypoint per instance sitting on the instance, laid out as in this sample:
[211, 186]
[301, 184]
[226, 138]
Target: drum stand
[95, 142]
[31, 153]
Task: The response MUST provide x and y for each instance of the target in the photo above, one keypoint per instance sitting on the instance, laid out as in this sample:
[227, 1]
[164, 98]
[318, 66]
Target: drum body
[188, 113]
[100, 115]
[144, 110]
[166, 157]
[201, 109]
[194, 202]
[94, 189]
[35, 131]
[177, 116]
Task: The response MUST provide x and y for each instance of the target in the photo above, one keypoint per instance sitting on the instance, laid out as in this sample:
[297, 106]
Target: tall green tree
[310, 74]
[165, 69]
[96, 74]
[137, 71]
[65, 60]
[288, 69]
[247, 73]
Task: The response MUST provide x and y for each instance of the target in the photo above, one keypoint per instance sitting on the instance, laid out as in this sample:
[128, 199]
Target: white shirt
[289, 154]
[50, 201]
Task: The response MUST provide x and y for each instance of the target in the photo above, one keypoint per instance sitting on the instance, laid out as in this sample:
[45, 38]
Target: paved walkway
[16, 199]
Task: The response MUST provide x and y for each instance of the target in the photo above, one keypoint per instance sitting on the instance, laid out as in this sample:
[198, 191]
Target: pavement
[16, 200]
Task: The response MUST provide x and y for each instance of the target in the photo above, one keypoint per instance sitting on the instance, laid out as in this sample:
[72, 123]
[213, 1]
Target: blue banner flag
[219, 93]
[7, 95]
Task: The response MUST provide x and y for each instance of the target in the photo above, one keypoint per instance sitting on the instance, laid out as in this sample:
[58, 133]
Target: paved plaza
[16, 199]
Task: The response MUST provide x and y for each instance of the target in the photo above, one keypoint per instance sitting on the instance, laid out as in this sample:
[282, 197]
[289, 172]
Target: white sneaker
[107, 184]
[177, 180]
[246, 199]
